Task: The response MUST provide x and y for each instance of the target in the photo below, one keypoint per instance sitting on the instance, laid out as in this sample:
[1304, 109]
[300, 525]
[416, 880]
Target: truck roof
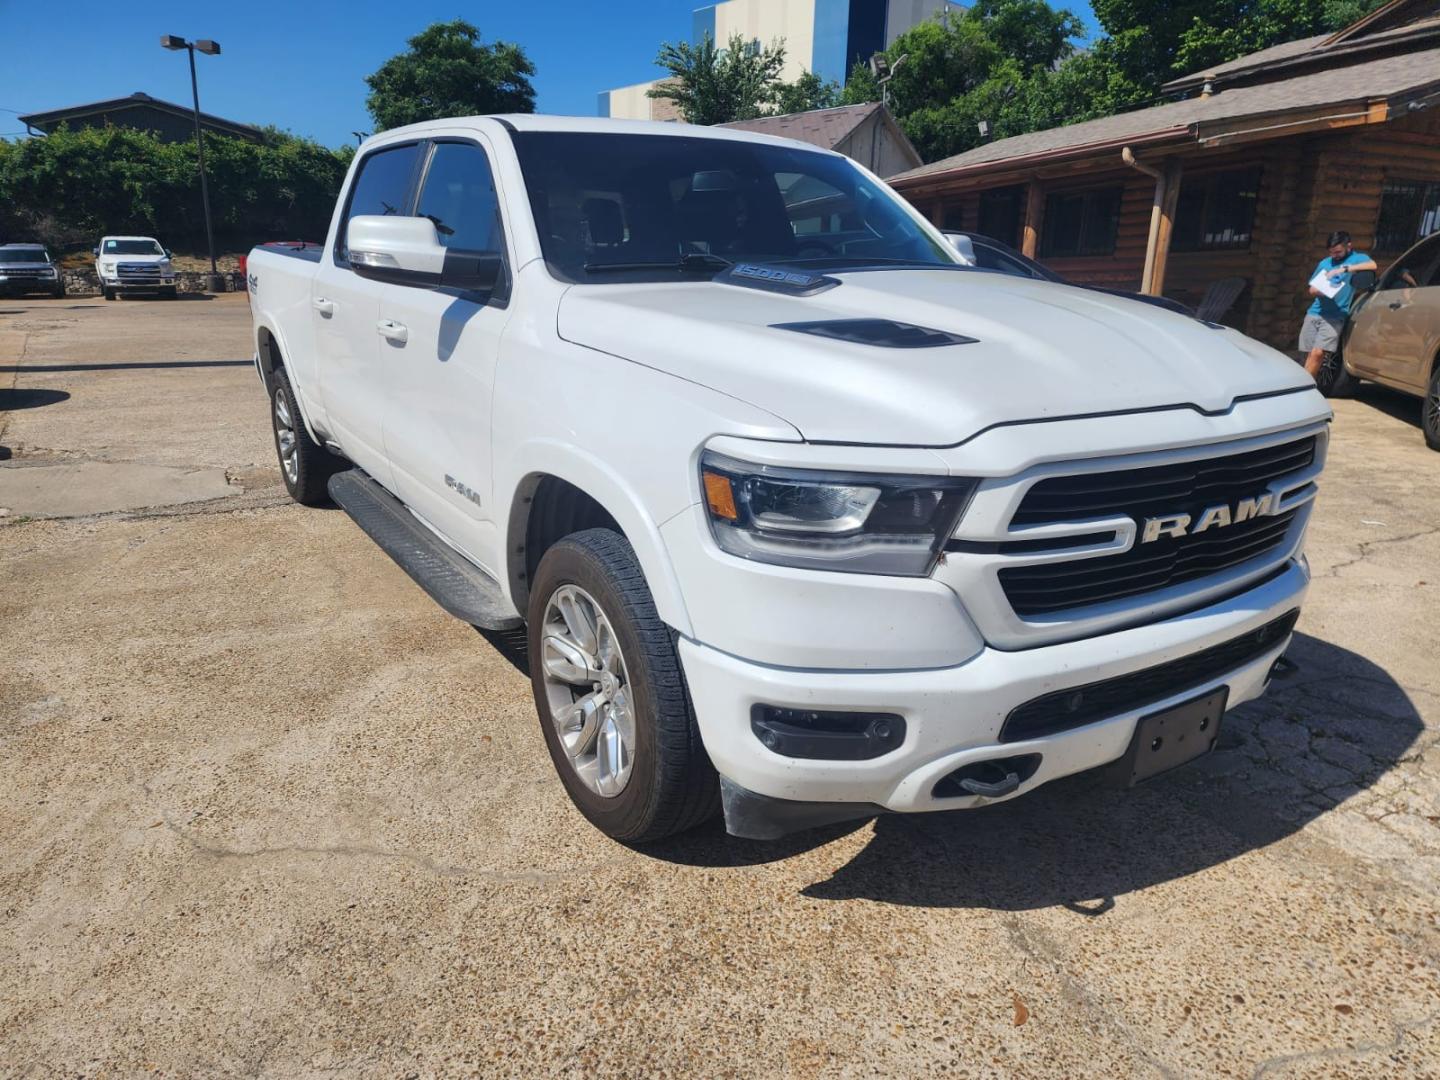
[118, 236]
[597, 125]
[27, 247]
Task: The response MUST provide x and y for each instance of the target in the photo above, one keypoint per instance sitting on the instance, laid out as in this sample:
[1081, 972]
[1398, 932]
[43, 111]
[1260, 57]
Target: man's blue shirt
[1336, 308]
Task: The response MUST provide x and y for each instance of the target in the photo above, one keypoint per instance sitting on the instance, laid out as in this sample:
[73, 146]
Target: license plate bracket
[1173, 737]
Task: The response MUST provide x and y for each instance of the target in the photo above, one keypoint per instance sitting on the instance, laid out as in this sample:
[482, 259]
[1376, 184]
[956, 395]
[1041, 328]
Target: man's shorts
[1318, 332]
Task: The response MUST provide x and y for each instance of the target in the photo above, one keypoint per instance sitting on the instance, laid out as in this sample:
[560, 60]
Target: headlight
[869, 523]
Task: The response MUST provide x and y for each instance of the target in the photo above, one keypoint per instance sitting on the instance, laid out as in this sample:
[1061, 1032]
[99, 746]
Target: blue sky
[299, 64]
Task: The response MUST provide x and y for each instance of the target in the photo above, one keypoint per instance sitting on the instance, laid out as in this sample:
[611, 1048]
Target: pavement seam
[1336, 1053]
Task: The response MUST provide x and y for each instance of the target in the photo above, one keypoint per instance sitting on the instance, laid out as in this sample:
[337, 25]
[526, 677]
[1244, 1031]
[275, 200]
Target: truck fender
[264, 327]
[534, 460]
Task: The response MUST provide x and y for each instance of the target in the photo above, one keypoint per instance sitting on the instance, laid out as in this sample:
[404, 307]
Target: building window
[1216, 211]
[1080, 223]
[952, 217]
[1000, 213]
[1409, 209]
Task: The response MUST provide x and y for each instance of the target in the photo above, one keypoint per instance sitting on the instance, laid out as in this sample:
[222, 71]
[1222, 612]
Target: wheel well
[547, 509]
[269, 350]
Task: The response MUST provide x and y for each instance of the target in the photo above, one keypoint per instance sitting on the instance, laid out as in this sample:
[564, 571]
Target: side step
[455, 583]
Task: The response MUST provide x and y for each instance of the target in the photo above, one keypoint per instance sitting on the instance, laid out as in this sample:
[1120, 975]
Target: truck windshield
[654, 207]
[23, 255]
[132, 247]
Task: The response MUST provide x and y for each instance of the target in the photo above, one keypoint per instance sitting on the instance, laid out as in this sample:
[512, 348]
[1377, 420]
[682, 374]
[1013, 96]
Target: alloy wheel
[588, 690]
[285, 437]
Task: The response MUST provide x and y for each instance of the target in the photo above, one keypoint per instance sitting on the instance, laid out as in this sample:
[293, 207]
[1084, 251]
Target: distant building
[170, 122]
[823, 36]
[866, 133]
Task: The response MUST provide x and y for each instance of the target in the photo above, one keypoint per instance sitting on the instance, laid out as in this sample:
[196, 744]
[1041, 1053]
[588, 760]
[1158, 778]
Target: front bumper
[953, 715]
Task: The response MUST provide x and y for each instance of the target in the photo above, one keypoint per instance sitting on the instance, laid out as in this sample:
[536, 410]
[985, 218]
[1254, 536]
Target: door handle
[323, 306]
[392, 330]
[1396, 305]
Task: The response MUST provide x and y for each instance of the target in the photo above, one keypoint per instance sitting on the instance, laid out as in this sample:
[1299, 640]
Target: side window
[381, 187]
[990, 258]
[459, 197]
[1420, 269]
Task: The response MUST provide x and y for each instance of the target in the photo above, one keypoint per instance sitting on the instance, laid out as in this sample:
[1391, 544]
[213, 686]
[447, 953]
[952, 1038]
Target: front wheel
[612, 700]
[1334, 381]
[1430, 410]
[109, 293]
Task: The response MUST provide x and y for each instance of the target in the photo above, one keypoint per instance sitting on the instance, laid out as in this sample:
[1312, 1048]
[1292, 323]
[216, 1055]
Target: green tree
[448, 71]
[994, 62]
[711, 85]
[807, 92]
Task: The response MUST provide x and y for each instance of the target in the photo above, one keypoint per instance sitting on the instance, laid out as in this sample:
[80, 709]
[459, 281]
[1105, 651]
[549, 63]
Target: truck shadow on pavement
[14, 399]
[1324, 735]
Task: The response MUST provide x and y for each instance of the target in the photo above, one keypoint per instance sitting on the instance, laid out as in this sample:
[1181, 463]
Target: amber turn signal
[720, 496]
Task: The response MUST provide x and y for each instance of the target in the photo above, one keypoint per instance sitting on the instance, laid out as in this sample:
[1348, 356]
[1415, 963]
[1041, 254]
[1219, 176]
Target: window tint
[1080, 223]
[646, 201]
[1216, 212]
[1409, 209]
[1419, 269]
[1000, 213]
[382, 187]
[459, 197]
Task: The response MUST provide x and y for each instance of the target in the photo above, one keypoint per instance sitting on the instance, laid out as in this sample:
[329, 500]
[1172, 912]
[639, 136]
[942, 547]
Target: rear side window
[459, 197]
[381, 187]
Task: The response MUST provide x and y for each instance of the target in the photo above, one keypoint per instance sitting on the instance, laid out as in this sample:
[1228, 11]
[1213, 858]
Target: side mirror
[167, 253]
[1363, 280]
[95, 251]
[964, 248]
[407, 251]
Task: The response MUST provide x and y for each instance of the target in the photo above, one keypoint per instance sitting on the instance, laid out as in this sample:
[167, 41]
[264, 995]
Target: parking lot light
[175, 43]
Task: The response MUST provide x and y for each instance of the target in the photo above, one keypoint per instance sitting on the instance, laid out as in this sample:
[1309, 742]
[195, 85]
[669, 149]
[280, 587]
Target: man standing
[1320, 332]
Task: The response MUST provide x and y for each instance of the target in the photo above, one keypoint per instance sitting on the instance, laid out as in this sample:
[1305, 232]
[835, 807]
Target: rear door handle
[392, 330]
[1396, 305]
[323, 306]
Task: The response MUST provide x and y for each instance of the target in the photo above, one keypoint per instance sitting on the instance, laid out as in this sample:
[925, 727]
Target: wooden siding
[1310, 185]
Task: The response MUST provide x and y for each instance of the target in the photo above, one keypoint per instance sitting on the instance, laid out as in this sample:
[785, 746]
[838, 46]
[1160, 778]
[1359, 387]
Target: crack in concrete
[1337, 1053]
[1365, 547]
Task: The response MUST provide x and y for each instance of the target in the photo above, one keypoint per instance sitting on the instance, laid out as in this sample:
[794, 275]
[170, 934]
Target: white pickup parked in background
[804, 517]
[134, 264]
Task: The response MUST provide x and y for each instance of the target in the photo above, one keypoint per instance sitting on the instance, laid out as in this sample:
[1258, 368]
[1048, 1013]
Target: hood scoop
[881, 333]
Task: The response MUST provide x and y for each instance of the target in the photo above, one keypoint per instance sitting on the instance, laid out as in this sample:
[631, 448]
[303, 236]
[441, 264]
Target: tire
[308, 469]
[109, 293]
[1334, 381]
[1430, 409]
[59, 293]
[172, 293]
[671, 785]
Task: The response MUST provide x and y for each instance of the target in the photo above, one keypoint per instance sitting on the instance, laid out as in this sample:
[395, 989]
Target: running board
[453, 582]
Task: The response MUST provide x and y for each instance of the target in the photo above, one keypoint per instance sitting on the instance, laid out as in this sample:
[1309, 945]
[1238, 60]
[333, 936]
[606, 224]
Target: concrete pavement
[270, 811]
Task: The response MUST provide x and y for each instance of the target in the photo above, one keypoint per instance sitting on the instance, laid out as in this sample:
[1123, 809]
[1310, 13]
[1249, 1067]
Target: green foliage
[807, 92]
[711, 85]
[995, 62]
[71, 187]
[447, 71]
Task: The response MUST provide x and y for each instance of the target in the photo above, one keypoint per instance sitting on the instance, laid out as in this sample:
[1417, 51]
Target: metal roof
[54, 117]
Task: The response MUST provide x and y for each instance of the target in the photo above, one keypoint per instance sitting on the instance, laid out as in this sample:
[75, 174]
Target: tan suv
[1393, 336]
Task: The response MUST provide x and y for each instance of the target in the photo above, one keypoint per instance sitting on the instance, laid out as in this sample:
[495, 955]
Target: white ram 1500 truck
[805, 518]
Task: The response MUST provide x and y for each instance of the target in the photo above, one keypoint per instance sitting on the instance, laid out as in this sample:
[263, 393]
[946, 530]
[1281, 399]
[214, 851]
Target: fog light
[824, 735]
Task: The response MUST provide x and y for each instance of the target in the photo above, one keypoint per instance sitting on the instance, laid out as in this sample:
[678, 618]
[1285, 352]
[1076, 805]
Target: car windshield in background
[23, 255]
[656, 206]
[132, 247]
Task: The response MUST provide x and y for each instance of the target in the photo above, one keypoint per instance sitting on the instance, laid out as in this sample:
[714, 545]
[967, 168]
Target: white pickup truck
[806, 519]
[132, 265]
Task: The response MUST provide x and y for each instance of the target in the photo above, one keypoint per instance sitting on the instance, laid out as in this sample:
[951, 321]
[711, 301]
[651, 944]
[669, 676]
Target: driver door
[1391, 333]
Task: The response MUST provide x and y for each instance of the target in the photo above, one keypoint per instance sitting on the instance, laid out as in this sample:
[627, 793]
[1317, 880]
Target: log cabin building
[1239, 180]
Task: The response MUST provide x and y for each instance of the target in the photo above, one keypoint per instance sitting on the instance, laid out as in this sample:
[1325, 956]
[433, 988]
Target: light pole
[884, 71]
[209, 48]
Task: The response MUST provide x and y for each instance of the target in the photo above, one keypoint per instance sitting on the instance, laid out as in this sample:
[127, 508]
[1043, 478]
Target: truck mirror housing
[407, 251]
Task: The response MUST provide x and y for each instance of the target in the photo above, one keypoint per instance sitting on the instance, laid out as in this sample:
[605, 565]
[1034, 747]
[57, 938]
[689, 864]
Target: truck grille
[26, 275]
[138, 271]
[1079, 705]
[1188, 487]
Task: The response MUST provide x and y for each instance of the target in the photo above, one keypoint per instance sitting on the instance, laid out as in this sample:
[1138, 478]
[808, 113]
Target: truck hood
[1040, 351]
[135, 258]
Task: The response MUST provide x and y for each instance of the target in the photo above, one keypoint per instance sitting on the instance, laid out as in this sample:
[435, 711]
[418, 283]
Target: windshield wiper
[694, 260]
